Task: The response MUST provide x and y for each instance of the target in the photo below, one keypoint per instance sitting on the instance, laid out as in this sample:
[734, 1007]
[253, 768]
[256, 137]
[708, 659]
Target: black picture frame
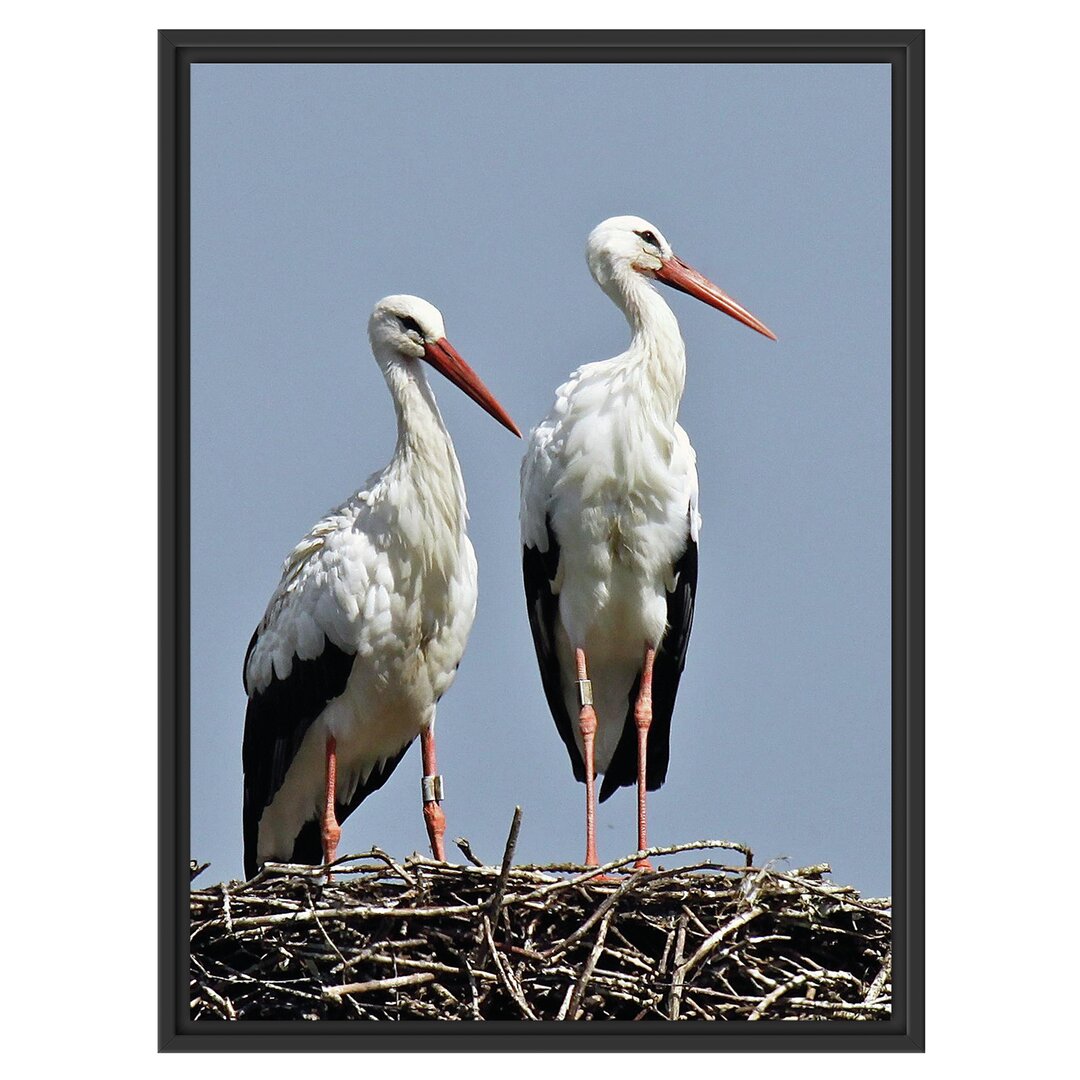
[903, 50]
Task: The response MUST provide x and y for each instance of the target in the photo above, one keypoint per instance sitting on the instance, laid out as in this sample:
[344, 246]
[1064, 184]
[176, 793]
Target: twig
[675, 999]
[706, 941]
[715, 939]
[466, 849]
[379, 984]
[590, 965]
[879, 982]
[775, 995]
[506, 976]
[396, 867]
[504, 871]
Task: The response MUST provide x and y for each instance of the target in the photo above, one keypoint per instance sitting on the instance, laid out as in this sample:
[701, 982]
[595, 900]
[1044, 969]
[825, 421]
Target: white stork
[367, 626]
[609, 524]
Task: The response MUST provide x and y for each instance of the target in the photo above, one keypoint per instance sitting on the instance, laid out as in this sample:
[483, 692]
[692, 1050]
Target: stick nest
[426, 940]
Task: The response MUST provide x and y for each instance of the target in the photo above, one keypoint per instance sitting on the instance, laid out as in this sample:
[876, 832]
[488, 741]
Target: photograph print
[541, 527]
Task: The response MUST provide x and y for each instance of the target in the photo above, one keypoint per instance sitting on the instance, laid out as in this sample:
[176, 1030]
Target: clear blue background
[317, 189]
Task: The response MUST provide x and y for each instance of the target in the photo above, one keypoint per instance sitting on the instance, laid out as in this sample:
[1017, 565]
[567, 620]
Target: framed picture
[755, 881]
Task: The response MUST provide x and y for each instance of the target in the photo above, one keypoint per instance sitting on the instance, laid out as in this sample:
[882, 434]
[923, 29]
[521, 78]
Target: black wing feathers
[277, 720]
[539, 569]
[308, 845]
[667, 668]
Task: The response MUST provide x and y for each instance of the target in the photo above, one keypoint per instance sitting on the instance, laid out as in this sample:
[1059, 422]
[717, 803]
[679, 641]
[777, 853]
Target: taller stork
[367, 626]
[609, 526]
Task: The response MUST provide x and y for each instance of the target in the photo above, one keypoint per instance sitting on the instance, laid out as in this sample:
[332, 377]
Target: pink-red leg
[643, 720]
[432, 786]
[331, 831]
[587, 725]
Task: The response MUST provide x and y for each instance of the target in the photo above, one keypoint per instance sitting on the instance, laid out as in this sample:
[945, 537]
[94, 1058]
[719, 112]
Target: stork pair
[366, 628]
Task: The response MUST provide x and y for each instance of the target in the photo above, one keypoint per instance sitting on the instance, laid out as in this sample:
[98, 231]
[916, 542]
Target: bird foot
[435, 820]
[331, 835]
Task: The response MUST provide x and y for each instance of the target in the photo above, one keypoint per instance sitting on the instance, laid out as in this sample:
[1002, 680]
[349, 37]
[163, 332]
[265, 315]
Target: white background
[79, 543]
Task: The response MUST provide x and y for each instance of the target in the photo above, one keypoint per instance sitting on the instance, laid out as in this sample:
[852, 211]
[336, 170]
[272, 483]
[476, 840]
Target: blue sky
[317, 189]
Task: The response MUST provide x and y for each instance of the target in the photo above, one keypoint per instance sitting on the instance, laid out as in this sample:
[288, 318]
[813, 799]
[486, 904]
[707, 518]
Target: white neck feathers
[424, 458]
[657, 356]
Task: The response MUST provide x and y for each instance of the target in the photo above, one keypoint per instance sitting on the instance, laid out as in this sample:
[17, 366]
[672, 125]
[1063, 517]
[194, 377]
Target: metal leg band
[584, 691]
[432, 788]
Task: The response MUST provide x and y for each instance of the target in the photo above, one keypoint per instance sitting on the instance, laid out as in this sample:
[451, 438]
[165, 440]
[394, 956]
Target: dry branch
[386, 940]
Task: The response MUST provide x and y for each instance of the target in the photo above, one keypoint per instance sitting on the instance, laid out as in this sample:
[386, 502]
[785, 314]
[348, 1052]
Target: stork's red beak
[674, 272]
[446, 360]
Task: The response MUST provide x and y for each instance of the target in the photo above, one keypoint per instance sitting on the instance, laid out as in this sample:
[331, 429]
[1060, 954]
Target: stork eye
[410, 324]
[649, 237]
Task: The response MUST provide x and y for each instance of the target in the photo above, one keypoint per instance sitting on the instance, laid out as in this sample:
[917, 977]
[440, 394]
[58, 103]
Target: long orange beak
[446, 360]
[674, 272]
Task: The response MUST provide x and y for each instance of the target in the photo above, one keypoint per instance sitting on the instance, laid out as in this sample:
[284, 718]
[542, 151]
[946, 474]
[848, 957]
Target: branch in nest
[420, 939]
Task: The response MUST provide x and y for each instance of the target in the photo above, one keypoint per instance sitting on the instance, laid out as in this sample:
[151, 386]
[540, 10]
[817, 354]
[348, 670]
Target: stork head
[405, 330]
[630, 246]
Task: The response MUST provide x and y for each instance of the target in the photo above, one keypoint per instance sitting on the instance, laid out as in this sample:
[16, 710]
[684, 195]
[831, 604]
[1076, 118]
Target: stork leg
[587, 725]
[643, 721]
[331, 831]
[432, 786]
